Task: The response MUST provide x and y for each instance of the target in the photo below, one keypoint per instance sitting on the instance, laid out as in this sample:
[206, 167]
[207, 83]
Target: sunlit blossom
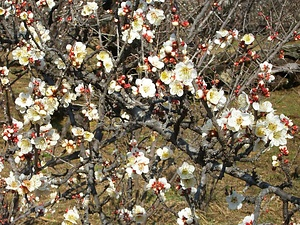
[69, 145]
[89, 8]
[238, 120]
[275, 161]
[186, 217]
[185, 72]
[265, 106]
[155, 16]
[146, 87]
[129, 35]
[164, 153]
[77, 53]
[215, 98]
[125, 214]
[71, 216]
[113, 87]
[186, 171]
[154, 60]
[12, 182]
[91, 112]
[25, 146]
[248, 39]
[176, 88]
[166, 76]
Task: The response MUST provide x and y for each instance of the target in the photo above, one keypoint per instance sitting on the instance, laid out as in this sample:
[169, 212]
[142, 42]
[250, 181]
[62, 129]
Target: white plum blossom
[88, 136]
[25, 146]
[261, 130]
[186, 171]
[154, 60]
[186, 217]
[275, 161]
[138, 21]
[239, 120]
[139, 214]
[60, 64]
[223, 38]
[155, 16]
[22, 55]
[248, 220]
[125, 8]
[125, 214]
[137, 162]
[77, 53]
[24, 100]
[91, 112]
[69, 145]
[158, 186]
[111, 190]
[146, 87]
[176, 88]
[279, 137]
[188, 183]
[141, 165]
[89, 8]
[148, 34]
[166, 76]
[32, 184]
[77, 131]
[106, 60]
[248, 39]
[12, 182]
[164, 153]
[71, 217]
[266, 67]
[265, 106]
[129, 35]
[185, 72]
[235, 200]
[40, 143]
[199, 94]
[4, 75]
[215, 98]
[114, 87]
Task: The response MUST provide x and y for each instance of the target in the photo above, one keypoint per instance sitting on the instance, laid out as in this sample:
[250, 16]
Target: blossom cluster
[187, 178]
[138, 163]
[77, 53]
[90, 110]
[89, 8]
[23, 184]
[138, 214]
[138, 27]
[185, 216]
[105, 60]
[4, 75]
